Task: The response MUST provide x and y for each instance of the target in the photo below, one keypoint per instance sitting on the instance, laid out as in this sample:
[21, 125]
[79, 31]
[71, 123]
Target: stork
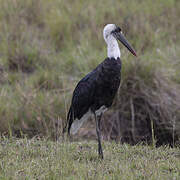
[95, 92]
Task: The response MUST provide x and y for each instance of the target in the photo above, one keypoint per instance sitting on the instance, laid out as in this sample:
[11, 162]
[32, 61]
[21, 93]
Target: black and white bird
[95, 92]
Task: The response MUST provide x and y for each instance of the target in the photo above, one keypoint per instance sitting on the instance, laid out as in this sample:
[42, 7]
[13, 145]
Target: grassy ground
[41, 159]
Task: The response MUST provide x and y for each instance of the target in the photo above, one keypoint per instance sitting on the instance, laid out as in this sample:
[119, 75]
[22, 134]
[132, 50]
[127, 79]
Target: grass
[43, 159]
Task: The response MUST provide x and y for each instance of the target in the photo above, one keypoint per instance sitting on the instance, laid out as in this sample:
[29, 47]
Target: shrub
[147, 107]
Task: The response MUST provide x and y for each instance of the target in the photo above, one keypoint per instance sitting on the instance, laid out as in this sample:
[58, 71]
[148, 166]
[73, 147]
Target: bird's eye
[118, 29]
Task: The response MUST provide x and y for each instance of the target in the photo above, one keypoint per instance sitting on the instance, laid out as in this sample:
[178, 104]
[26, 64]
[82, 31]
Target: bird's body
[95, 93]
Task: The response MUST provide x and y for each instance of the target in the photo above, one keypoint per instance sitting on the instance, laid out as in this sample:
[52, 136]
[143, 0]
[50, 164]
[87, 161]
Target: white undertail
[76, 125]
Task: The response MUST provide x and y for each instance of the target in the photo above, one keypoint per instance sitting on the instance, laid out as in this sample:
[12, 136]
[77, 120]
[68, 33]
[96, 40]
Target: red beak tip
[135, 54]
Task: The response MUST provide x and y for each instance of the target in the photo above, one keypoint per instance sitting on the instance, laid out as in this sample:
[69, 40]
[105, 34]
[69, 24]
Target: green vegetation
[47, 46]
[43, 159]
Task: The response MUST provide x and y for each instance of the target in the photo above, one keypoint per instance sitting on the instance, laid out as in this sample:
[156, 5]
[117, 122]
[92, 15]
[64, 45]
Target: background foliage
[47, 46]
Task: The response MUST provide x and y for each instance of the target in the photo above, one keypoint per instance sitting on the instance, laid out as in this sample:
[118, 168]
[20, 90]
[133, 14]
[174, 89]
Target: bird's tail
[69, 121]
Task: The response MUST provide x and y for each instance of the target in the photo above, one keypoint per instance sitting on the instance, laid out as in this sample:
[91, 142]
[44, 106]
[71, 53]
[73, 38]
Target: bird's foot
[101, 154]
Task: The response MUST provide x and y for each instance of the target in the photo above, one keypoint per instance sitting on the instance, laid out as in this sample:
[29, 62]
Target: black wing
[82, 98]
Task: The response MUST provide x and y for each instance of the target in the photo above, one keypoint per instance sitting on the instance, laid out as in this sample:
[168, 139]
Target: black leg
[98, 131]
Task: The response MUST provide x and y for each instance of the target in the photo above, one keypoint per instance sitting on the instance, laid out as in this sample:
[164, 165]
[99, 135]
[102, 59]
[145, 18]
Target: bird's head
[115, 31]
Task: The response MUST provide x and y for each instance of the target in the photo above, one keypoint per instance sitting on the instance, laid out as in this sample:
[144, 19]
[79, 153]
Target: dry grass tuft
[147, 108]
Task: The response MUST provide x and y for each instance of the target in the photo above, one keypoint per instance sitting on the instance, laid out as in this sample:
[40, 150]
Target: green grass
[43, 159]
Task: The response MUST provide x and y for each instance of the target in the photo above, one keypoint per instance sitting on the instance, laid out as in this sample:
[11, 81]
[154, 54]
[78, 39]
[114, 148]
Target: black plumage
[95, 90]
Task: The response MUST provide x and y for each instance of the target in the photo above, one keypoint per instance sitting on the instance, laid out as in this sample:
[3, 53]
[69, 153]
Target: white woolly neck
[113, 50]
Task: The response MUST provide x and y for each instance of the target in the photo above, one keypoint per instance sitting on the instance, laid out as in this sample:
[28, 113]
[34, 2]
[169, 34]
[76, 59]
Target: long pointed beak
[124, 41]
